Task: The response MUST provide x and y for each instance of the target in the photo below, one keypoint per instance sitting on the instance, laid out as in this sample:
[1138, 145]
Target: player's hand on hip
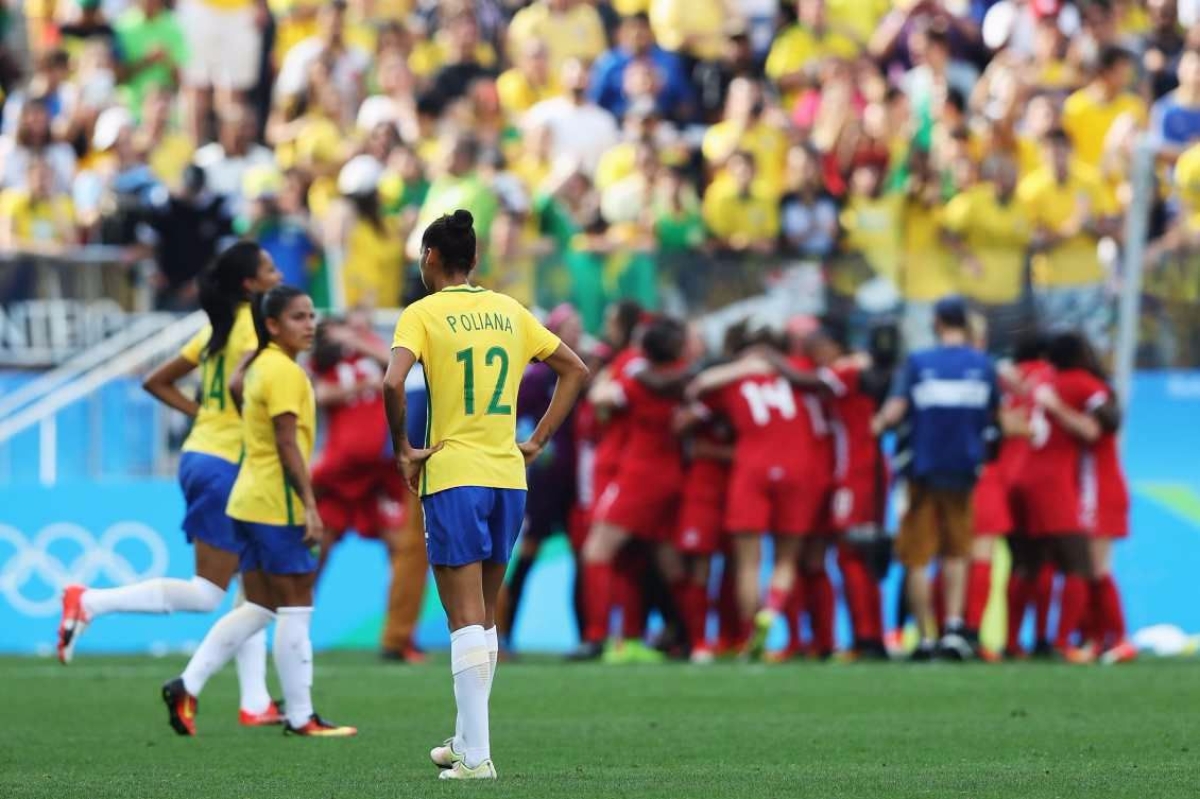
[530, 450]
[412, 461]
[314, 529]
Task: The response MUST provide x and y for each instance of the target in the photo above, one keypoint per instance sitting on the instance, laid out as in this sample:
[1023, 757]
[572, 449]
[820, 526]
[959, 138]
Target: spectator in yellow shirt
[694, 28]
[926, 270]
[745, 129]
[989, 233]
[568, 28]
[740, 216]
[871, 223]
[796, 51]
[1088, 114]
[530, 81]
[1071, 210]
[36, 218]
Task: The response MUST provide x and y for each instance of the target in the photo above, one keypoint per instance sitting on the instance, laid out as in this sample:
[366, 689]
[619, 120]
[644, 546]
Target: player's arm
[895, 408]
[717, 377]
[160, 384]
[330, 393]
[1079, 425]
[296, 472]
[798, 378]
[712, 451]
[572, 377]
[1108, 415]
[671, 381]
[237, 380]
[409, 460]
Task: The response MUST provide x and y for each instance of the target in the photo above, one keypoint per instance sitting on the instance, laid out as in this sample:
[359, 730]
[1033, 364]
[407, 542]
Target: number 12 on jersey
[495, 359]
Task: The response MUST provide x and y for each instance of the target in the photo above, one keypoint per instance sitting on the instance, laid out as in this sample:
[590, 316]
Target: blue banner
[106, 534]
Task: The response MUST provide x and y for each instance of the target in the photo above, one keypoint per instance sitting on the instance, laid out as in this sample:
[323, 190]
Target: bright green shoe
[461, 771]
[757, 645]
[645, 655]
[630, 652]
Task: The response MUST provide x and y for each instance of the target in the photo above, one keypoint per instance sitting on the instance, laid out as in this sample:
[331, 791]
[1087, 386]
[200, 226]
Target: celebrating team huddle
[785, 439]
[682, 461]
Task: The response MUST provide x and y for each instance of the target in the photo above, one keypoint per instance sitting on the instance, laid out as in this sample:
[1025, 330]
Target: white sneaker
[444, 756]
[460, 771]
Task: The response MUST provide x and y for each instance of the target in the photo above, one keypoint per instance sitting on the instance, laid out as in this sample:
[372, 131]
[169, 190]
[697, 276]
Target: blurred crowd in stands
[665, 151]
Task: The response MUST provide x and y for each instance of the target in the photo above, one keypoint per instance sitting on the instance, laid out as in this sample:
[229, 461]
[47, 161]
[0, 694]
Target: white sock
[252, 667]
[252, 673]
[493, 645]
[472, 670]
[294, 662]
[223, 640]
[162, 595]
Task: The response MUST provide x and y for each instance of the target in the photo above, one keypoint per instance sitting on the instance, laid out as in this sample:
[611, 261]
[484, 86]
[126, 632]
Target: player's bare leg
[783, 579]
[920, 604]
[747, 555]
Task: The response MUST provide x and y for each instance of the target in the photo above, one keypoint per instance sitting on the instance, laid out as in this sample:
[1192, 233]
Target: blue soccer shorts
[274, 548]
[206, 481]
[470, 524]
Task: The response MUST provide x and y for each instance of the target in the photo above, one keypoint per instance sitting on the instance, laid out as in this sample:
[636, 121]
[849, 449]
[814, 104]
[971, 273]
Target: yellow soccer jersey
[218, 427]
[474, 345]
[275, 385]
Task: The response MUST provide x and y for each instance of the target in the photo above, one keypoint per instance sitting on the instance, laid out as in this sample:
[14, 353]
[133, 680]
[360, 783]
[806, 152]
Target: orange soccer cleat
[267, 718]
[181, 707]
[1124, 652]
[73, 622]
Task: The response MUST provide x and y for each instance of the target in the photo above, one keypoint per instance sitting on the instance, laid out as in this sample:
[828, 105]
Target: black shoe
[1044, 650]
[588, 650]
[181, 707]
[955, 644]
[871, 650]
[923, 653]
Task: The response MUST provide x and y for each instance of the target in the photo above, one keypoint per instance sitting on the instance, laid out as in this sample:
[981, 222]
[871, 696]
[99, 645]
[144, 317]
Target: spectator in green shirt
[152, 50]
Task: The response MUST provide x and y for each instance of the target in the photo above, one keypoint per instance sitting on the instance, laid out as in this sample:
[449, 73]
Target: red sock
[777, 599]
[1018, 601]
[862, 596]
[1110, 610]
[1074, 606]
[697, 615]
[793, 610]
[1043, 597]
[630, 595]
[939, 600]
[597, 600]
[819, 599]
[979, 588]
[729, 621]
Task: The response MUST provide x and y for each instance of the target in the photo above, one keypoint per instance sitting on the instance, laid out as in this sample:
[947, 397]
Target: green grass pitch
[98, 730]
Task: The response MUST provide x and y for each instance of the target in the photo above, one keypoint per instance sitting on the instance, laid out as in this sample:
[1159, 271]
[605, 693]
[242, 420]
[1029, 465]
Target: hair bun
[462, 219]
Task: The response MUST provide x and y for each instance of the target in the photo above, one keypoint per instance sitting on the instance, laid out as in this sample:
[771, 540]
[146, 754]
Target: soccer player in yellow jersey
[275, 520]
[474, 345]
[207, 470]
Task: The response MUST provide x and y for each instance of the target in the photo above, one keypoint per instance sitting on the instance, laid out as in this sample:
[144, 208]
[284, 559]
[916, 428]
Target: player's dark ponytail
[222, 289]
[271, 306]
[453, 236]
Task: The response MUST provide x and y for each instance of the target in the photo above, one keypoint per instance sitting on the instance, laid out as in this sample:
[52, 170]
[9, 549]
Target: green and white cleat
[444, 756]
[757, 645]
[461, 771]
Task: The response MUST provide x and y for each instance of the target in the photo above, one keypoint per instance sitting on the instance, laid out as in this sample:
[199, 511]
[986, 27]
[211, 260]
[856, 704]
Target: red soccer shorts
[855, 503]
[1052, 505]
[777, 500]
[646, 509]
[373, 506]
[701, 522]
[993, 513]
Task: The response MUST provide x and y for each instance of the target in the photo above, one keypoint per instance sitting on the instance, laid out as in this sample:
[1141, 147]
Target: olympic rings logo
[33, 560]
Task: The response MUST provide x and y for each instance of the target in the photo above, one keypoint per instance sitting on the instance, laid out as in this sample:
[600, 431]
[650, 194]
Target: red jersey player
[642, 499]
[779, 485]
[1051, 484]
[1106, 503]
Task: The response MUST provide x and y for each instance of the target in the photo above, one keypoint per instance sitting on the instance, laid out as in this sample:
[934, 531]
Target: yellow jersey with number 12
[217, 429]
[474, 345]
[275, 385]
